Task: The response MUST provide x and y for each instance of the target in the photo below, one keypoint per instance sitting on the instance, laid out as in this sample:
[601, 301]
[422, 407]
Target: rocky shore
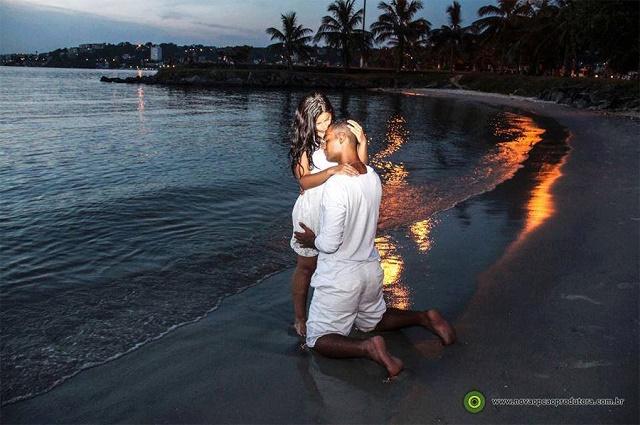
[622, 96]
[256, 79]
[607, 98]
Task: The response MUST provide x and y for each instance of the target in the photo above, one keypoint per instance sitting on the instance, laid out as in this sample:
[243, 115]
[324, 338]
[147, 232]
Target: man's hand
[307, 238]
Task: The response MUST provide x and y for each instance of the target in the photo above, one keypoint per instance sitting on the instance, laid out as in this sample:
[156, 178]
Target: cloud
[27, 28]
[45, 25]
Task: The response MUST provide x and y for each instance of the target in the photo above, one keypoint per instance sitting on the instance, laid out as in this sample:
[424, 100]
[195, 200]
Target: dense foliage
[536, 37]
[292, 40]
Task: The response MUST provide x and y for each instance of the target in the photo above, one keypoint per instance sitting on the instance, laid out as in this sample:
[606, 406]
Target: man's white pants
[355, 299]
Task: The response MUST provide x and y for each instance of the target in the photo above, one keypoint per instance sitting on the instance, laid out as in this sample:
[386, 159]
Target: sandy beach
[554, 316]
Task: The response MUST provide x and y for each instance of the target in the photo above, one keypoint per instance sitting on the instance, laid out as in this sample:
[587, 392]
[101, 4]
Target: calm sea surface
[127, 211]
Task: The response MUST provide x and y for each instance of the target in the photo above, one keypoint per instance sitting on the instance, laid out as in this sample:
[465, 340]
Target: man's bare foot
[300, 325]
[377, 350]
[436, 324]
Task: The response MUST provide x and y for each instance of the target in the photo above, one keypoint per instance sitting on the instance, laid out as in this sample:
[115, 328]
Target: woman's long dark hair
[304, 138]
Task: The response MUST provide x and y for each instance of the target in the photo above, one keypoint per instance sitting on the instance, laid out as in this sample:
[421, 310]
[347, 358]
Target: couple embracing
[335, 220]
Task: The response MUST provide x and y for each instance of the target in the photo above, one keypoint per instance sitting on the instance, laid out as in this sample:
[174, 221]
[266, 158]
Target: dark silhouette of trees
[292, 40]
[525, 36]
[397, 26]
[609, 30]
[453, 40]
[557, 35]
[340, 30]
[500, 27]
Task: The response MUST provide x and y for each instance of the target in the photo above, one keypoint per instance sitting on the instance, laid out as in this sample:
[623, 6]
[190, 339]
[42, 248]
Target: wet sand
[553, 315]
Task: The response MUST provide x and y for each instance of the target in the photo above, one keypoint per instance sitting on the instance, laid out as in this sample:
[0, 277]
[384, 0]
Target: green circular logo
[474, 401]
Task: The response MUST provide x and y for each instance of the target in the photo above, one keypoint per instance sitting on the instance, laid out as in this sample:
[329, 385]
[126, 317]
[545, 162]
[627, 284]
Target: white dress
[307, 208]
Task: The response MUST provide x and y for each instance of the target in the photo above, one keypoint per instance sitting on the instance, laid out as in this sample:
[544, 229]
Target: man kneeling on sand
[348, 278]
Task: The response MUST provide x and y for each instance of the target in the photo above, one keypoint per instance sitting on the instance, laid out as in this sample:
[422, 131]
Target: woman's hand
[357, 130]
[343, 169]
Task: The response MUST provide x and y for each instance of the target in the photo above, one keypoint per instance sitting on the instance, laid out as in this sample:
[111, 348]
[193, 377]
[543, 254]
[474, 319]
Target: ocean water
[127, 211]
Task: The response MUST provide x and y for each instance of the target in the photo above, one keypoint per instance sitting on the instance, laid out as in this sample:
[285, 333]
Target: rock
[195, 79]
[556, 96]
[235, 81]
[599, 96]
[455, 81]
[605, 104]
[581, 103]
[633, 104]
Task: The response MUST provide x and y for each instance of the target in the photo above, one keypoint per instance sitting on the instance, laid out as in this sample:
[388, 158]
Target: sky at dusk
[29, 26]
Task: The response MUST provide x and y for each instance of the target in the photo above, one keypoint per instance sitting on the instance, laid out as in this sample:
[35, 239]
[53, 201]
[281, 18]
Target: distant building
[91, 47]
[156, 54]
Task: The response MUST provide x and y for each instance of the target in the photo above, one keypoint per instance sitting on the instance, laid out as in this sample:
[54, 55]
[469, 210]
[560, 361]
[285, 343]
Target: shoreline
[563, 299]
[552, 317]
[580, 93]
[511, 99]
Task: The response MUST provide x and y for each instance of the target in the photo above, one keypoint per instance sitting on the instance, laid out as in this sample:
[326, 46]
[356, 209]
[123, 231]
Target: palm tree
[397, 26]
[548, 39]
[566, 31]
[500, 24]
[453, 35]
[292, 40]
[339, 30]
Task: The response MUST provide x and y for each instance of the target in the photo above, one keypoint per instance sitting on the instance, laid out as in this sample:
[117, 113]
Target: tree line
[536, 37]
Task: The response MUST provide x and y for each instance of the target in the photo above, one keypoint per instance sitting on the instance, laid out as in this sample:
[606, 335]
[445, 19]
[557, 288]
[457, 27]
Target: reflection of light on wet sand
[523, 134]
[420, 231]
[403, 203]
[541, 205]
[396, 293]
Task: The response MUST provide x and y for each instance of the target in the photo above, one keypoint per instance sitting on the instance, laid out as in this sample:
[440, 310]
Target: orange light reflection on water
[541, 204]
[397, 195]
[519, 134]
[397, 294]
[420, 231]
[523, 134]
[397, 135]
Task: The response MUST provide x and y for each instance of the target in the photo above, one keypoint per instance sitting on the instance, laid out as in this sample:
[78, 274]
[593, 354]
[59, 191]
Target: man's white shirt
[346, 241]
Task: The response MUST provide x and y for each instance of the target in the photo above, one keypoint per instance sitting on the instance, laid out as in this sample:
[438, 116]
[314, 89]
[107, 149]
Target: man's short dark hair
[340, 125]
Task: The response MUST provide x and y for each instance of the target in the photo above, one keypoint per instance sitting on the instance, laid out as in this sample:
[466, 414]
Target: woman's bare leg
[300, 289]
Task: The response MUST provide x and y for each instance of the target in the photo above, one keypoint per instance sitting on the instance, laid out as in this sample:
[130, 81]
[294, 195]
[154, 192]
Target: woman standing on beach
[309, 165]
